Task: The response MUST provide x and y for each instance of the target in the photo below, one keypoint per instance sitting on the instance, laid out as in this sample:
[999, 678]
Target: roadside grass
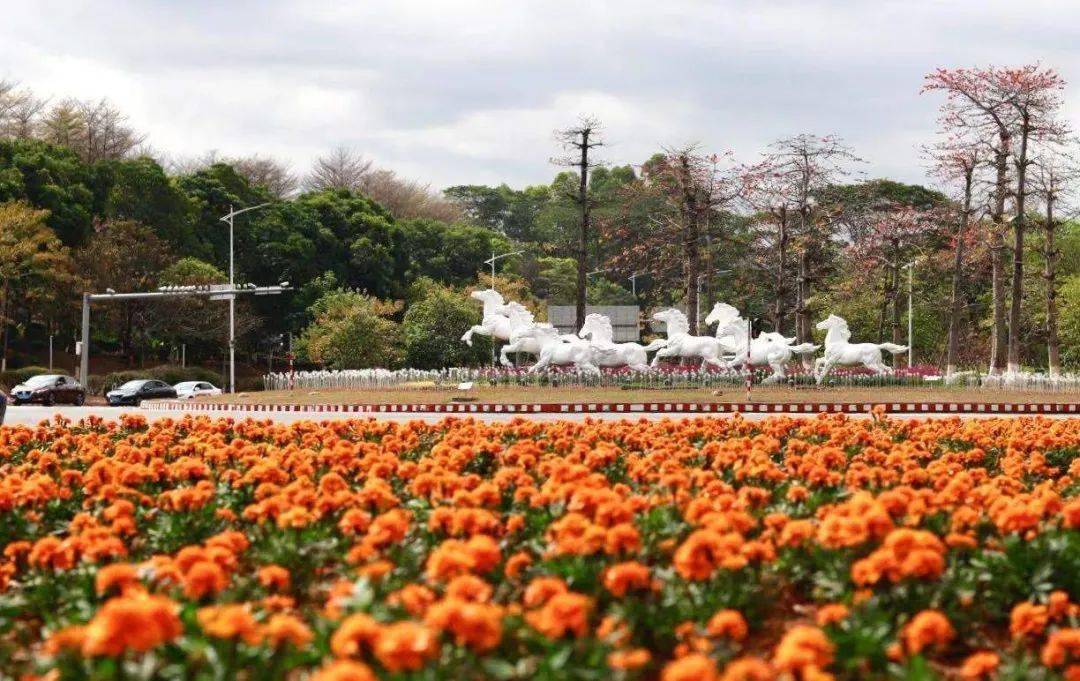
[541, 394]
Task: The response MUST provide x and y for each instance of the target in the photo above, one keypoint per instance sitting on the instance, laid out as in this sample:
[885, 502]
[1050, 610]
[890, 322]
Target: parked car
[3, 406]
[49, 389]
[134, 392]
[190, 389]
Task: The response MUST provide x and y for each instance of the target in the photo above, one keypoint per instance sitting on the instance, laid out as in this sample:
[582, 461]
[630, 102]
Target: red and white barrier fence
[628, 408]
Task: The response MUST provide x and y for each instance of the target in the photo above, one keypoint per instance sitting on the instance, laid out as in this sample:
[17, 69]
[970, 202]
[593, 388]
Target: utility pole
[232, 299]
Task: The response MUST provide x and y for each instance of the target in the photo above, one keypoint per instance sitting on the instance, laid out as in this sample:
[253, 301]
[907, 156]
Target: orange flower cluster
[707, 548]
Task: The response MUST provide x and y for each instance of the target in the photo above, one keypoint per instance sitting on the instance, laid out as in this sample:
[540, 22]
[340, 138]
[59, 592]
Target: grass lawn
[764, 394]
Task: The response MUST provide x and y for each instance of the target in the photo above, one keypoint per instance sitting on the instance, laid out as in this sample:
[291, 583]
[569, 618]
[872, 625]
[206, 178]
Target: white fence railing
[663, 378]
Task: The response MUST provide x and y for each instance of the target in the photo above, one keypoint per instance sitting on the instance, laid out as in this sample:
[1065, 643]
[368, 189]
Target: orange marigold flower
[1028, 619]
[541, 589]
[562, 614]
[274, 577]
[469, 588]
[415, 598]
[477, 625]
[748, 669]
[137, 622]
[281, 629]
[831, 614]
[928, 628]
[516, 564]
[345, 670]
[230, 622]
[706, 550]
[634, 658]
[728, 624]
[354, 632]
[979, 665]
[803, 647]
[119, 576]
[618, 579]
[693, 667]
[1061, 646]
[203, 579]
[404, 646]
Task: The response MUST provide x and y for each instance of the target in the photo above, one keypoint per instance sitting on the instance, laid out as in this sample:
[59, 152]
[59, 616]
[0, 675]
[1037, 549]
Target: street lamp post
[492, 260]
[232, 299]
[633, 283]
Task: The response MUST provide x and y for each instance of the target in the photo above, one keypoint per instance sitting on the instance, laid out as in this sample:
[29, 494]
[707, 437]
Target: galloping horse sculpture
[600, 333]
[839, 352]
[769, 348]
[557, 349]
[521, 319]
[679, 342]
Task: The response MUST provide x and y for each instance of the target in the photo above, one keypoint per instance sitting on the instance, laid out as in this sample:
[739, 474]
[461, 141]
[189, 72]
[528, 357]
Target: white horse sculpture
[838, 351]
[769, 348]
[495, 322]
[679, 342]
[520, 319]
[600, 333]
[557, 349]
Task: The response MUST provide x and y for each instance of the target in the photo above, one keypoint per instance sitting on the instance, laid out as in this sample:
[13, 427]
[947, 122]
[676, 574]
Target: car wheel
[136, 402]
[80, 399]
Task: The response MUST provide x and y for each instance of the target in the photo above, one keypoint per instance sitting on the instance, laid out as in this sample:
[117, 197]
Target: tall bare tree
[804, 166]
[19, 111]
[263, 171]
[1054, 176]
[342, 168]
[578, 141]
[956, 161]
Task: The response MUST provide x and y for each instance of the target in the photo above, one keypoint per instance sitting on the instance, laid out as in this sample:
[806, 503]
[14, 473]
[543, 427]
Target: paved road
[30, 414]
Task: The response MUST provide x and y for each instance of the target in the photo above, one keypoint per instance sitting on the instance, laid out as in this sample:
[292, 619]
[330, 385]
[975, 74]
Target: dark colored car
[134, 392]
[3, 406]
[49, 389]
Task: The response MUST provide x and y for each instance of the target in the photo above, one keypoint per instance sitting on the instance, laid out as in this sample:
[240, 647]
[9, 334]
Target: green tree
[364, 244]
[1070, 322]
[32, 261]
[351, 330]
[138, 189]
[52, 178]
[449, 253]
[433, 326]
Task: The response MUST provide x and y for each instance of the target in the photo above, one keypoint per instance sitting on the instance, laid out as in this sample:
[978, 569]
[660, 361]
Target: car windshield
[131, 385]
[44, 379]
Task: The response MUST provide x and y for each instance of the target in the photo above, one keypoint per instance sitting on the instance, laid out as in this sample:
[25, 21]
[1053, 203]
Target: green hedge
[13, 377]
[166, 372]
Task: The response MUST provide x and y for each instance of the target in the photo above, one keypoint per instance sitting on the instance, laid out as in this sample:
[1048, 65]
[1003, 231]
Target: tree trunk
[781, 249]
[957, 275]
[1018, 250]
[691, 240]
[1050, 257]
[583, 235]
[4, 320]
[997, 258]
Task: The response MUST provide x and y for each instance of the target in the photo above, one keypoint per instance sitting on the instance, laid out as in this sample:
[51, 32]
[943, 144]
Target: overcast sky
[469, 92]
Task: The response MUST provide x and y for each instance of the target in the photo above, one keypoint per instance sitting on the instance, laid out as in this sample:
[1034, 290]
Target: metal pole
[633, 286]
[910, 317]
[183, 355]
[50, 352]
[84, 344]
[232, 310]
[493, 270]
[749, 369]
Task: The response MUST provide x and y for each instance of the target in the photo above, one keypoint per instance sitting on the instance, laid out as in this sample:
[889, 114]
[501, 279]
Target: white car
[191, 389]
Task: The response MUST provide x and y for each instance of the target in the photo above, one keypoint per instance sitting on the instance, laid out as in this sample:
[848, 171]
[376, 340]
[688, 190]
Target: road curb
[628, 408]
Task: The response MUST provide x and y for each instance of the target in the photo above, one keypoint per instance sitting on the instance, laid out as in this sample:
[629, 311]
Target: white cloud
[470, 91]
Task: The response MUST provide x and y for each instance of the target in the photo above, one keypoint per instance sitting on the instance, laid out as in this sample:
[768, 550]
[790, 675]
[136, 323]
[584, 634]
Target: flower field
[699, 549]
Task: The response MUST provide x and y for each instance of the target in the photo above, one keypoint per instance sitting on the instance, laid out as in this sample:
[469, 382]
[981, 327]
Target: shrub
[13, 377]
[351, 330]
[433, 326]
[169, 373]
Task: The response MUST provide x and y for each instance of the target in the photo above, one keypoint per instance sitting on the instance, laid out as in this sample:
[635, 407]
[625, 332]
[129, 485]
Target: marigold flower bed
[681, 550]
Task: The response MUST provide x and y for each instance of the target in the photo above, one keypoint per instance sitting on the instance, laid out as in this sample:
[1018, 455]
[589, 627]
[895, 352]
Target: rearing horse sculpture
[495, 323]
[838, 351]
